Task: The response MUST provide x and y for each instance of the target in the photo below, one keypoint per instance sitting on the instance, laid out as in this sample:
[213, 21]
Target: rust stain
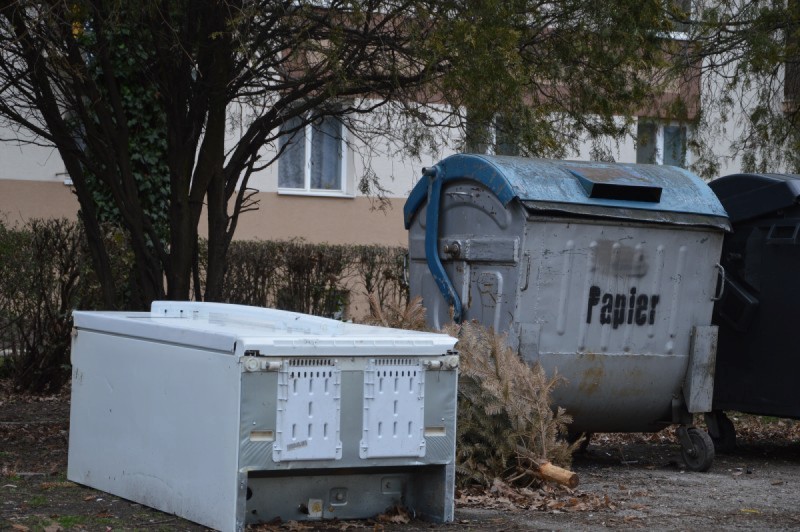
[590, 379]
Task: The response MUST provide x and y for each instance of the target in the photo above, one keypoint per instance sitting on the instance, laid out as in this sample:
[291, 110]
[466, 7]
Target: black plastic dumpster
[759, 312]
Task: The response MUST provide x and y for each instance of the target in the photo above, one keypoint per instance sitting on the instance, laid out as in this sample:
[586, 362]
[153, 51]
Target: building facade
[312, 190]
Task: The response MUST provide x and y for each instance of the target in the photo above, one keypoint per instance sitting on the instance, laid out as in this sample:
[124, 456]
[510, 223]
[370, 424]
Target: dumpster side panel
[698, 389]
[757, 360]
[480, 248]
[611, 308]
[152, 422]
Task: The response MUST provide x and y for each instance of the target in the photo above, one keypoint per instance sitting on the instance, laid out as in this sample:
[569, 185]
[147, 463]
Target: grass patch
[37, 501]
[72, 521]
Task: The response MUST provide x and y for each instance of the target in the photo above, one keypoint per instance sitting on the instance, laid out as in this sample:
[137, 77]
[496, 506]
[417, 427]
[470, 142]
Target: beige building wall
[23, 200]
[352, 220]
[320, 219]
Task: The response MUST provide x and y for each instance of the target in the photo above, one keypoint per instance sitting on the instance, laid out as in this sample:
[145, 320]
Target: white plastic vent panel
[309, 406]
[394, 408]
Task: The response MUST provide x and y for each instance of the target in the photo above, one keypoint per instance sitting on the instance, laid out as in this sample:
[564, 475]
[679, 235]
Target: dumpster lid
[587, 188]
[236, 329]
[747, 196]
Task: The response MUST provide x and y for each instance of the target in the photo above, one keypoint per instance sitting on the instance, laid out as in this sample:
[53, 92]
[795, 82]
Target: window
[313, 158]
[496, 138]
[679, 13]
[661, 143]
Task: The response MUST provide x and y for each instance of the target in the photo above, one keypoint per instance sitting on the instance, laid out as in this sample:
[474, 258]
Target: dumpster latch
[453, 250]
[718, 295]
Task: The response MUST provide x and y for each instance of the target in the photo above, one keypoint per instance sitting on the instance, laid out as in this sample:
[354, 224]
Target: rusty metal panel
[621, 392]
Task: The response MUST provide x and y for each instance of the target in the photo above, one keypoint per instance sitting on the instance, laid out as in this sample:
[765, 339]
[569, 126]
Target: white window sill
[314, 193]
[675, 35]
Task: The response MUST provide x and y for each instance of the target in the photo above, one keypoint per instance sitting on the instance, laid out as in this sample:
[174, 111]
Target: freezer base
[350, 493]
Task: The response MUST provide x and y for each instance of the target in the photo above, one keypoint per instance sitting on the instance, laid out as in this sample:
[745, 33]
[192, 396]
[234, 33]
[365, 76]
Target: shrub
[43, 276]
[253, 273]
[506, 424]
[381, 270]
[45, 273]
[312, 278]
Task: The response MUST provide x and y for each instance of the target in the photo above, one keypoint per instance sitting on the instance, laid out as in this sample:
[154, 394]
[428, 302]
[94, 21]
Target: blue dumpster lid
[747, 196]
[638, 191]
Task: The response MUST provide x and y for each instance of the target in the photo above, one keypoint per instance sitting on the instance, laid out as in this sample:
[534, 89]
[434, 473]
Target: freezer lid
[240, 330]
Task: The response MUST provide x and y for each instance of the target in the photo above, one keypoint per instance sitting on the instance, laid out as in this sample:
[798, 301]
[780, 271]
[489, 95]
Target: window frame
[682, 34]
[493, 141]
[660, 138]
[308, 137]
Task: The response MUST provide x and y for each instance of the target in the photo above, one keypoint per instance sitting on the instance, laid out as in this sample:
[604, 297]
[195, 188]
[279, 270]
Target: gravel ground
[626, 481]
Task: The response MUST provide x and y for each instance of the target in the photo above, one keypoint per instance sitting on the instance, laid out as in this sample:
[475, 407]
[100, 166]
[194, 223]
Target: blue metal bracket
[435, 178]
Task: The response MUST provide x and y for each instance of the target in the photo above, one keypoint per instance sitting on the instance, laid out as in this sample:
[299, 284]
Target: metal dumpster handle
[432, 241]
[718, 296]
[404, 280]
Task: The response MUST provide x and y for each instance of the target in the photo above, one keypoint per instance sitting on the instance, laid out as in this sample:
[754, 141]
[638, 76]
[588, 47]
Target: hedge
[45, 273]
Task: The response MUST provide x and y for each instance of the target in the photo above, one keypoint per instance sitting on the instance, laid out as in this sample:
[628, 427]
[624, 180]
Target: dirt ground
[626, 481]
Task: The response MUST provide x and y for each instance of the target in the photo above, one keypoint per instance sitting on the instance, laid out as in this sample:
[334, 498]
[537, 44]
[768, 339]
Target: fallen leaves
[396, 514]
[57, 485]
[548, 498]
[748, 428]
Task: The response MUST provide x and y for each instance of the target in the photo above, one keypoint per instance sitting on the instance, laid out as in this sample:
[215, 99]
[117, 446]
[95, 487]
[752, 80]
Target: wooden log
[554, 473]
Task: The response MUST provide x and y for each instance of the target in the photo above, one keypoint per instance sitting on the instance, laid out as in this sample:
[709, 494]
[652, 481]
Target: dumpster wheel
[697, 448]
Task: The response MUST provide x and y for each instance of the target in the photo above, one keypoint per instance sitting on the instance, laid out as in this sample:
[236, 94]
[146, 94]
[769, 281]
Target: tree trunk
[94, 236]
[186, 206]
[213, 154]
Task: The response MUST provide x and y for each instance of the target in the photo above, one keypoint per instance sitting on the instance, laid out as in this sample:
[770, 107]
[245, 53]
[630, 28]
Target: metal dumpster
[757, 362]
[603, 273]
[228, 415]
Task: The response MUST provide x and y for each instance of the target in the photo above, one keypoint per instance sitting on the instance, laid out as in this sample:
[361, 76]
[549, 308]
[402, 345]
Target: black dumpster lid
[747, 196]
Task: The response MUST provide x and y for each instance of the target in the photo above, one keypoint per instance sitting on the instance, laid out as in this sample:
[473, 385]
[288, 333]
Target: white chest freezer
[228, 415]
